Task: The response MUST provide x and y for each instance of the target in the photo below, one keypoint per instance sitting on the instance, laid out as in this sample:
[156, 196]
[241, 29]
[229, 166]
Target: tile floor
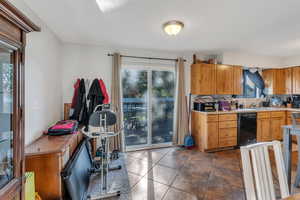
[177, 173]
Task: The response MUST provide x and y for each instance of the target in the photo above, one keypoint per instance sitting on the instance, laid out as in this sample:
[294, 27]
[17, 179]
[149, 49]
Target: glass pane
[135, 86]
[6, 112]
[163, 96]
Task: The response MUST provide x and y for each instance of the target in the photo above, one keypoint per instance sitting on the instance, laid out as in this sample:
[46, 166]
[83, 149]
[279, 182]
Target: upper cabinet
[296, 80]
[238, 80]
[225, 80]
[288, 80]
[203, 79]
[278, 81]
[269, 78]
[210, 79]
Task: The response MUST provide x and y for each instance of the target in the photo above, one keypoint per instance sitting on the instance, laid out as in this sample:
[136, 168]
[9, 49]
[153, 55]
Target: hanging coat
[76, 86]
[95, 96]
[104, 92]
[80, 111]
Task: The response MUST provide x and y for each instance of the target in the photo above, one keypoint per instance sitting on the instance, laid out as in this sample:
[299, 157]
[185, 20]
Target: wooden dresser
[46, 157]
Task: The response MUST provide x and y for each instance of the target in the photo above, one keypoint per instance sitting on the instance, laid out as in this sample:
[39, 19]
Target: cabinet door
[288, 81]
[225, 80]
[296, 80]
[196, 128]
[279, 81]
[203, 79]
[269, 78]
[263, 130]
[238, 80]
[212, 135]
[276, 130]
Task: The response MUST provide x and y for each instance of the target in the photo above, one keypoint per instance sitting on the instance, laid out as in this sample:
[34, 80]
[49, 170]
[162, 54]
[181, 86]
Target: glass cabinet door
[6, 116]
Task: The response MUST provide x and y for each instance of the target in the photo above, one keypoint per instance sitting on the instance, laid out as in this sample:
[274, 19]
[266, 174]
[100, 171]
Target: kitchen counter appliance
[205, 106]
[246, 128]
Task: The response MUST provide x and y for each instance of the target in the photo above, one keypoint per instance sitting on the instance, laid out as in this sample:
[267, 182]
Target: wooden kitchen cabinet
[263, 130]
[275, 128]
[278, 81]
[296, 80]
[269, 125]
[280, 87]
[269, 79]
[238, 80]
[210, 79]
[225, 81]
[203, 79]
[213, 131]
[205, 130]
[212, 135]
[288, 80]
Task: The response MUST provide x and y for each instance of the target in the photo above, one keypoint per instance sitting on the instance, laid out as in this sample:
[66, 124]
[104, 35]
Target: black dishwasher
[246, 128]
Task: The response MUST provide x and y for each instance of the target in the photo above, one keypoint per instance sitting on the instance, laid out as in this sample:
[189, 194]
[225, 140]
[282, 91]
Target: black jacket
[95, 96]
[80, 112]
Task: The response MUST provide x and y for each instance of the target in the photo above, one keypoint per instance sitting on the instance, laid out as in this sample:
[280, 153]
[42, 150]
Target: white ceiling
[268, 27]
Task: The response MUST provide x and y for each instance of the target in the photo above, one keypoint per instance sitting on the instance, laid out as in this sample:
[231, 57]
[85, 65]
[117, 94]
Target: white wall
[43, 93]
[86, 61]
[252, 60]
[291, 61]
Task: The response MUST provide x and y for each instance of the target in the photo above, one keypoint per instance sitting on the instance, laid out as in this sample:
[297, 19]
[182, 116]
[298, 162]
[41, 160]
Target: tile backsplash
[246, 102]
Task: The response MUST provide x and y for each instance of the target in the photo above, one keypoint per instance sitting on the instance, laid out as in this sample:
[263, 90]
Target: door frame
[149, 67]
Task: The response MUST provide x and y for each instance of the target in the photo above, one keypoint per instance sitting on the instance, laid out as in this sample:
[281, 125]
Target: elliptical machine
[101, 119]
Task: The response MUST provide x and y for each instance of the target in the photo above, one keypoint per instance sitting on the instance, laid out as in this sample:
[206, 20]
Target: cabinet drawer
[212, 118]
[65, 157]
[225, 133]
[262, 115]
[228, 124]
[277, 114]
[228, 117]
[229, 142]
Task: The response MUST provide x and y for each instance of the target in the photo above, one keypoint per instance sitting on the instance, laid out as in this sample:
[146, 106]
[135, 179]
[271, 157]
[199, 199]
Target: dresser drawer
[263, 115]
[227, 117]
[225, 133]
[228, 142]
[277, 114]
[228, 124]
[212, 118]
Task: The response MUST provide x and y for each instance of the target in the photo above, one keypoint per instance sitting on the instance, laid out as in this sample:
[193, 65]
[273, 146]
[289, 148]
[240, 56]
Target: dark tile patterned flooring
[178, 174]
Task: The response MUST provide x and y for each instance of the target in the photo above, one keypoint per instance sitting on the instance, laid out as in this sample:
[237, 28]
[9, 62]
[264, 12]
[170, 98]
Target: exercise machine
[100, 122]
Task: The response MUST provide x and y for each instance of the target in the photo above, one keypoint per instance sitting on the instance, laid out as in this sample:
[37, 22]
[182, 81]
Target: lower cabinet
[269, 125]
[212, 135]
[276, 124]
[213, 131]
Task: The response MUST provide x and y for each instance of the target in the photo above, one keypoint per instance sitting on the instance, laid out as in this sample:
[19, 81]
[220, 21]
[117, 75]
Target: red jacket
[76, 86]
[104, 91]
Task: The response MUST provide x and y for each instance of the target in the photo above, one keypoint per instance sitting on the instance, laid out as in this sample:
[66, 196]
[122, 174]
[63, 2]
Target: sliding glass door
[148, 105]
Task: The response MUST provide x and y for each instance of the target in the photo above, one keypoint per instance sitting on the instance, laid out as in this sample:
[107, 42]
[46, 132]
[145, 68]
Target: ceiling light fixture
[173, 27]
[109, 5]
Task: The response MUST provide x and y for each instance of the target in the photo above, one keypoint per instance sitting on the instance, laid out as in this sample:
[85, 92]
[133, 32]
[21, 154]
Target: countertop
[260, 109]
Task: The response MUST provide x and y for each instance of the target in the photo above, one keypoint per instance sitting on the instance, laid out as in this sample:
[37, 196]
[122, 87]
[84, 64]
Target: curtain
[117, 142]
[256, 79]
[181, 125]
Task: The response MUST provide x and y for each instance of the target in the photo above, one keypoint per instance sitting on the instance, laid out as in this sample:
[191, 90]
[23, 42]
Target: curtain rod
[150, 58]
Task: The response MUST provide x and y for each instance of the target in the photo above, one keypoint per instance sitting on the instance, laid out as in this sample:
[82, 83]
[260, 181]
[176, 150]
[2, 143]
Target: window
[148, 105]
[250, 88]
